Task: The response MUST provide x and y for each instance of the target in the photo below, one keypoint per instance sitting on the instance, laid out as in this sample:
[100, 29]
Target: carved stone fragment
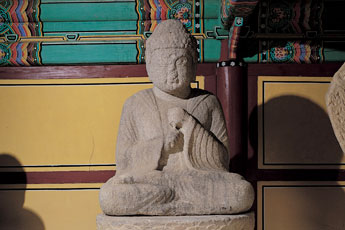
[335, 101]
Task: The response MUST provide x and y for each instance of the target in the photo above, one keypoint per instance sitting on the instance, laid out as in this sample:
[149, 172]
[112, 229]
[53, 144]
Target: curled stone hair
[171, 34]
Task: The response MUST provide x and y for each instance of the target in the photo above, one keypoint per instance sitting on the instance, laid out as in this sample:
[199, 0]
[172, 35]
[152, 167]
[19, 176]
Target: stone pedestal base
[210, 222]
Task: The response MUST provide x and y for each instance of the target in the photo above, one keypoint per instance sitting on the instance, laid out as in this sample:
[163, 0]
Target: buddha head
[171, 58]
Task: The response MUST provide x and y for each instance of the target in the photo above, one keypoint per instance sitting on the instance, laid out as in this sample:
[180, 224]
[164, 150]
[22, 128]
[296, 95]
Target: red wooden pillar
[231, 91]
[231, 77]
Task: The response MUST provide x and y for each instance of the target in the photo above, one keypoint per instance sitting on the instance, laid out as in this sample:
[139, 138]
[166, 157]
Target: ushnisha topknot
[171, 34]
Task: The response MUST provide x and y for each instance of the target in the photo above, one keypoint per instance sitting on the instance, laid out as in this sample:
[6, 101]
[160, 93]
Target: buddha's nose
[172, 74]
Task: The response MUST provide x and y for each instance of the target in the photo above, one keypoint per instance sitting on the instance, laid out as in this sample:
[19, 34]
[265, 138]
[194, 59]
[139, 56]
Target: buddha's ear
[147, 53]
[147, 57]
[148, 62]
[194, 66]
[148, 66]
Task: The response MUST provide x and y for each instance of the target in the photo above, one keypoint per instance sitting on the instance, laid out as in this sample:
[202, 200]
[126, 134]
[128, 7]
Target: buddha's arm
[218, 129]
[135, 154]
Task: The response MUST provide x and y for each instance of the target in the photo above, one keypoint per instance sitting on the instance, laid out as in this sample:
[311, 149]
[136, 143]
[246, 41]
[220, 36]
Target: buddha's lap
[187, 184]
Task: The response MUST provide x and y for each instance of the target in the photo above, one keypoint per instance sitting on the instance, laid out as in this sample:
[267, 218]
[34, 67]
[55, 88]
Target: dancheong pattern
[46, 32]
[292, 52]
[291, 17]
[19, 18]
[152, 12]
[236, 8]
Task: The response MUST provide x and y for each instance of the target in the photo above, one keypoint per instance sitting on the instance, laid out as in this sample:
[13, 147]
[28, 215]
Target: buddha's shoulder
[201, 92]
[204, 96]
[139, 97]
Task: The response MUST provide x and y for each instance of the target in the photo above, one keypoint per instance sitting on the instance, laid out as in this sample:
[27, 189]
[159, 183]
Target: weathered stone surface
[172, 147]
[216, 222]
[335, 100]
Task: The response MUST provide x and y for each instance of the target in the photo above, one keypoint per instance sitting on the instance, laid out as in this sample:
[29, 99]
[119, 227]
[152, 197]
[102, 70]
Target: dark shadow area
[298, 132]
[13, 216]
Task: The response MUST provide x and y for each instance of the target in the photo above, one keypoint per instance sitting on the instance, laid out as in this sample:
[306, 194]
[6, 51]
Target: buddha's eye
[163, 62]
[181, 61]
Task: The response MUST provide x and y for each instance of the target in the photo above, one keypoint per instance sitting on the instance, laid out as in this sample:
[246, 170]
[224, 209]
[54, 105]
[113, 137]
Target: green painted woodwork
[111, 11]
[211, 9]
[252, 59]
[91, 19]
[90, 26]
[83, 1]
[212, 50]
[334, 55]
[88, 53]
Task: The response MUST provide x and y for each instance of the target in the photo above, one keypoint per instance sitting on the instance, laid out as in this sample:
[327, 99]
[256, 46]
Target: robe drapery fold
[139, 149]
[202, 150]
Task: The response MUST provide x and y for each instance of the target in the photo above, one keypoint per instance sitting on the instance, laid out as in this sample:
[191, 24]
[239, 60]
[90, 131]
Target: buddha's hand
[172, 140]
[176, 117]
[124, 179]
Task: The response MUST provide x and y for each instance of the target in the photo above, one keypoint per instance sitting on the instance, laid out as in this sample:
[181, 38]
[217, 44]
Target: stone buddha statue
[172, 147]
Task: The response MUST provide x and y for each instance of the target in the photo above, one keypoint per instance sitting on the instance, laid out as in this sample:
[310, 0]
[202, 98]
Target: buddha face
[171, 70]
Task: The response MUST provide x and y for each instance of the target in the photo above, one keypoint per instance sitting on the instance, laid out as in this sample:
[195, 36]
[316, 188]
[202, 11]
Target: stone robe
[192, 181]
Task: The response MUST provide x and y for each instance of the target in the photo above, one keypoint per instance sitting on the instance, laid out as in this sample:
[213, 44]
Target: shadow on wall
[13, 216]
[298, 132]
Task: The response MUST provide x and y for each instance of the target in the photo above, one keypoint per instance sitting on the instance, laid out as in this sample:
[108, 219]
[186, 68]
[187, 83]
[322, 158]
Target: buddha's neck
[168, 97]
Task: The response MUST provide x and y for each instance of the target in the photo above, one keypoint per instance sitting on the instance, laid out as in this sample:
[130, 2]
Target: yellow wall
[55, 207]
